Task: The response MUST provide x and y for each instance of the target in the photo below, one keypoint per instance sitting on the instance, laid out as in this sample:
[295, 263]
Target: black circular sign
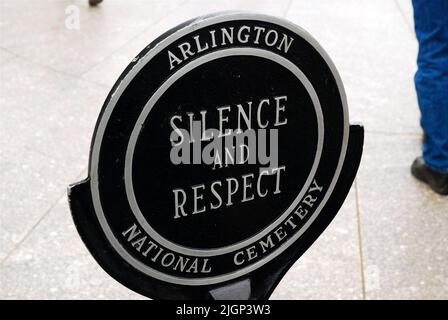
[217, 148]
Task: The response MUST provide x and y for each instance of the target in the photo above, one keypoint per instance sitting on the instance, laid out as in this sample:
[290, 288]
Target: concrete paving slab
[53, 263]
[404, 224]
[108, 71]
[407, 11]
[50, 34]
[375, 53]
[331, 268]
[5, 57]
[47, 124]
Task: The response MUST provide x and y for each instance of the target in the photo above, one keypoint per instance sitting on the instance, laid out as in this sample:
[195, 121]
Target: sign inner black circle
[224, 87]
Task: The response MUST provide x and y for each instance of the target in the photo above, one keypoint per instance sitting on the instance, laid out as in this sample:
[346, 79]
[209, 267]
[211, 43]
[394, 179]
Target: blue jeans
[431, 79]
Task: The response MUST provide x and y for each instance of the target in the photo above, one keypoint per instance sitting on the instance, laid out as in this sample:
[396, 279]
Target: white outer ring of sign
[195, 25]
[240, 51]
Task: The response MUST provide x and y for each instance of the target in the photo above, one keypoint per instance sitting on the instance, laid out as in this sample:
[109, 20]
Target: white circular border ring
[194, 25]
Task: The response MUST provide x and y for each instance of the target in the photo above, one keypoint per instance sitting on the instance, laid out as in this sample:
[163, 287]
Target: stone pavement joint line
[361, 255]
[46, 213]
[288, 6]
[411, 29]
[46, 66]
[131, 39]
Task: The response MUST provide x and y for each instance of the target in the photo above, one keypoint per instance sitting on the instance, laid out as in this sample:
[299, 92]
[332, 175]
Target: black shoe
[93, 3]
[436, 180]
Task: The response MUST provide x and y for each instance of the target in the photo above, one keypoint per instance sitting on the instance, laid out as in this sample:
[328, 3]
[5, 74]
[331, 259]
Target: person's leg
[431, 80]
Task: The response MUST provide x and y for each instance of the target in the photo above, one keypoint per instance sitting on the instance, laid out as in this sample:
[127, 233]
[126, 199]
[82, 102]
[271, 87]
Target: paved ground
[390, 240]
